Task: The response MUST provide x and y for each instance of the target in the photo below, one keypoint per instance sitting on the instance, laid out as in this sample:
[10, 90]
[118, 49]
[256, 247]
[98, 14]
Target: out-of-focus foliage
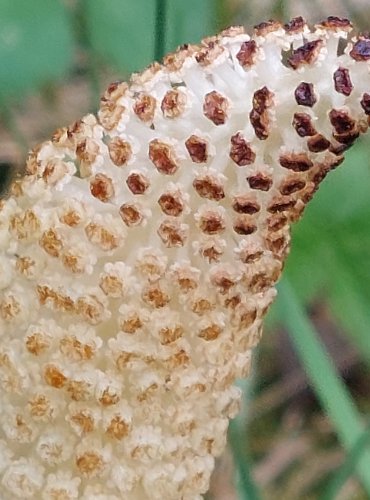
[121, 31]
[36, 44]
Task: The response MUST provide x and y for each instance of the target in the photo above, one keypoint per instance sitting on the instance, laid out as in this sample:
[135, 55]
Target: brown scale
[54, 171]
[39, 406]
[291, 184]
[245, 204]
[51, 243]
[250, 254]
[222, 280]
[215, 107]
[59, 300]
[342, 81]
[90, 308]
[32, 162]
[295, 25]
[163, 157]
[365, 103]
[173, 103]
[87, 151]
[101, 187]
[247, 54]
[25, 225]
[99, 235]
[75, 350]
[260, 181]
[202, 306]
[185, 278]
[232, 301]
[131, 323]
[335, 23]
[278, 244]
[245, 315]
[244, 225]
[114, 91]
[73, 262]
[175, 60]
[361, 49]
[171, 203]
[211, 332]
[169, 335]
[208, 54]
[37, 343]
[261, 281]
[53, 376]
[212, 251]
[61, 138]
[118, 428]
[179, 359]
[145, 76]
[297, 162]
[345, 127]
[111, 285]
[211, 222]
[71, 218]
[154, 296]
[259, 117]
[209, 187]
[90, 464]
[197, 149]
[304, 94]
[172, 233]
[25, 266]
[120, 151]
[318, 143]
[144, 107]
[241, 151]
[137, 183]
[110, 114]
[305, 55]
[277, 221]
[302, 122]
[131, 214]
[266, 27]
[280, 204]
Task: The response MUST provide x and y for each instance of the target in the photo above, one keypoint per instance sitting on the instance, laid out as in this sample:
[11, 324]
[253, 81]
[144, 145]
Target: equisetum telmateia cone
[140, 251]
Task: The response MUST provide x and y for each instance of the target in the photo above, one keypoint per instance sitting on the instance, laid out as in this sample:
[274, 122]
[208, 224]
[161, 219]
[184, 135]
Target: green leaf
[326, 382]
[122, 31]
[35, 44]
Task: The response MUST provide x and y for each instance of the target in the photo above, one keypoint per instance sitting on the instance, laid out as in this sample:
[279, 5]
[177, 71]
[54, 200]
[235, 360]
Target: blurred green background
[303, 432]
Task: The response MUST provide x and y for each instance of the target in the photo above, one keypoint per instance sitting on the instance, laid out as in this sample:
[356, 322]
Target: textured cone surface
[139, 255]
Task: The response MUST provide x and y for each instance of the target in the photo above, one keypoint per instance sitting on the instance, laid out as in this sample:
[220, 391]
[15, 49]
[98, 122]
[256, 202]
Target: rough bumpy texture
[139, 255]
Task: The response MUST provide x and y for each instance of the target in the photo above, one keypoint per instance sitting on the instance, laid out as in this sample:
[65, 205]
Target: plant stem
[160, 29]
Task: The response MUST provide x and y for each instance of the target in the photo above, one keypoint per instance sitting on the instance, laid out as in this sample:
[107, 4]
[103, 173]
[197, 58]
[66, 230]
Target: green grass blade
[327, 384]
[348, 467]
[247, 488]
